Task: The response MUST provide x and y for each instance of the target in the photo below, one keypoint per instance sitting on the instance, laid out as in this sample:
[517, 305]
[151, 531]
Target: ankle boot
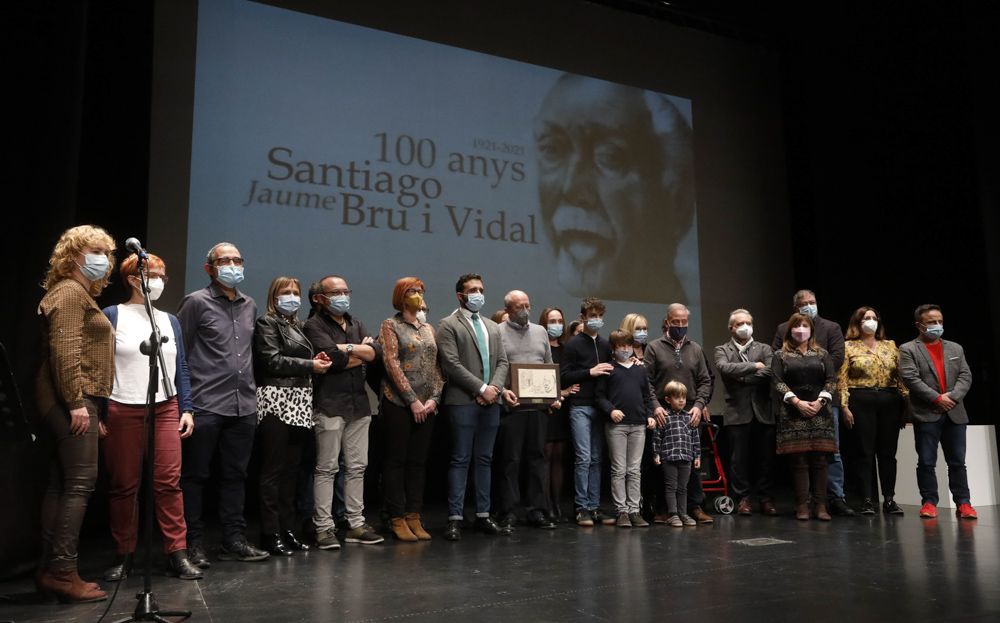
[401, 530]
[67, 586]
[821, 512]
[273, 544]
[802, 511]
[416, 527]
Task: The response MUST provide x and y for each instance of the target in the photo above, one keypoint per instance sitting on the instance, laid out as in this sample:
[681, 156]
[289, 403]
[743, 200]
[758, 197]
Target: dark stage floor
[858, 569]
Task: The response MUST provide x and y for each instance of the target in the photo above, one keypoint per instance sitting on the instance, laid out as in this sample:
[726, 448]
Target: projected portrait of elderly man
[616, 190]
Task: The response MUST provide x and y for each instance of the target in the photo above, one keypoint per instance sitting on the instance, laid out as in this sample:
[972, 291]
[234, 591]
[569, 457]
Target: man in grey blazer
[745, 367]
[474, 363]
[938, 377]
[830, 337]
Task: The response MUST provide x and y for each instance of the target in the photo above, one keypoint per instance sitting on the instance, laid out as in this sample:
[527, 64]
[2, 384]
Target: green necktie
[481, 341]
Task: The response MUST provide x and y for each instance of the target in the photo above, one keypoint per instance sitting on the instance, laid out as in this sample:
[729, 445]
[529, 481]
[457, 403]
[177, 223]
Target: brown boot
[821, 512]
[66, 586]
[416, 527]
[401, 530]
[802, 511]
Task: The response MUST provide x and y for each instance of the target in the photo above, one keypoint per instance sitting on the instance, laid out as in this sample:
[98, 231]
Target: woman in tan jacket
[75, 378]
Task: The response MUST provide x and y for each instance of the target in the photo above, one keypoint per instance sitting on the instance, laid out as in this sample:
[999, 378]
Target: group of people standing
[231, 374]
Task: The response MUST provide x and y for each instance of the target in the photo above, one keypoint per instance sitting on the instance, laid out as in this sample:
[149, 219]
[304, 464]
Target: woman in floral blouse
[869, 379]
[411, 392]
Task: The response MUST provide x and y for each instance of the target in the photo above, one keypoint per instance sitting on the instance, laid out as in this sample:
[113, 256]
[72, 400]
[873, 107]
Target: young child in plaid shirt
[676, 448]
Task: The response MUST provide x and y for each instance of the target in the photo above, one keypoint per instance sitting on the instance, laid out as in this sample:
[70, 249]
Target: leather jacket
[282, 355]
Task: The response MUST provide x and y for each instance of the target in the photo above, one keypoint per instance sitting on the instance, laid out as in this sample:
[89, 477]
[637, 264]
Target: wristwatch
[350, 347]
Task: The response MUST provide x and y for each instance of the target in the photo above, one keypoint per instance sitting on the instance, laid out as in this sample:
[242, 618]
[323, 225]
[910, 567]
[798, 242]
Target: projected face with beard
[615, 188]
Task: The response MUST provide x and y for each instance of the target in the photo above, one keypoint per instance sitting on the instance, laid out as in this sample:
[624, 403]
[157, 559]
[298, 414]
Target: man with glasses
[342, 411]
[675, 357]
[217, 322]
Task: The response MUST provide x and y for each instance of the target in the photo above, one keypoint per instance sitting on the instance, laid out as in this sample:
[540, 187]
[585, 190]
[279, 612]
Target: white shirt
[131, 366]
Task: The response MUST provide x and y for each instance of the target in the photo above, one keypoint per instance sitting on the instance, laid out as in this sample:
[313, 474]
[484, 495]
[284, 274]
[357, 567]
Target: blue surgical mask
[95, 266]
[288, 304]
[595, 324]
[555, 330]
[623, 355]
[230, 276]
[475, 301]
[934, 330]
[339, 305]
[677, 333]
[809, 310]
[641, 336]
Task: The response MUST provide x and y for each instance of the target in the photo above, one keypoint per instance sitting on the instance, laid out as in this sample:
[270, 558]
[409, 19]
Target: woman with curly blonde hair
[76, 376]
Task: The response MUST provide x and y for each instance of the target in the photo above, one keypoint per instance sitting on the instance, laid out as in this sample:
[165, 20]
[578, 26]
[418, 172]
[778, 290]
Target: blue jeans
[835, 470]
[473, 433]
[951, 436]
[587, 426]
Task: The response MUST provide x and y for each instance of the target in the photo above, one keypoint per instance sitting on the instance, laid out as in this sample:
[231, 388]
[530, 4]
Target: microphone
[133, 245]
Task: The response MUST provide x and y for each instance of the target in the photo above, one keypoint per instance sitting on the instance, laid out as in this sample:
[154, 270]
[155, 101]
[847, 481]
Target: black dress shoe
[839, 507]
[867, 507]
[273, 544]
[293, 542]
[120, 571]
[507, 520]
[242, 551]
[538, 519]
[453, 531]
[198, 556]
[889, 507]
[181, 566]
[486, 525]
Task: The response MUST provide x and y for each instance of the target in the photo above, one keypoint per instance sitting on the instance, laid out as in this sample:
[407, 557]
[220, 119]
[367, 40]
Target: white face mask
[744, 331]
[869, 326]
[155, 288]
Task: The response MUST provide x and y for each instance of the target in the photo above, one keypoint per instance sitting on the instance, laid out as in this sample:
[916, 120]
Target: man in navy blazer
[938, 377]
[474, 363]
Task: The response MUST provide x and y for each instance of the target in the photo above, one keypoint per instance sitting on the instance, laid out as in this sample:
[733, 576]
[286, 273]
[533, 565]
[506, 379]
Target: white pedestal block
[981, 461]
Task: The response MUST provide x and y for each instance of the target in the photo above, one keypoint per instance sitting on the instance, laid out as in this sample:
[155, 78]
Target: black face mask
[677, 333]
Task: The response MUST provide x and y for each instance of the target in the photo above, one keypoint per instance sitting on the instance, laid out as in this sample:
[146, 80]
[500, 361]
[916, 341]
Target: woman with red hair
[411, 392]
[124, 446]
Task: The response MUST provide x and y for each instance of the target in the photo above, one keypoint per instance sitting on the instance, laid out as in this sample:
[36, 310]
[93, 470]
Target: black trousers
[653, 485]
[406, 447]
[751, 454]
[522, 438]
[877, 416]
[230, 438]
[281, 448]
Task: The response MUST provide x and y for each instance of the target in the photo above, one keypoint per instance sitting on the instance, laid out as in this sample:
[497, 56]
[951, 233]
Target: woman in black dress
[805, 379]
[558, 433]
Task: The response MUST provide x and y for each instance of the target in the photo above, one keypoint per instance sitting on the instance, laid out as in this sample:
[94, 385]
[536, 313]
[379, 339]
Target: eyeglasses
[228, 261]
[412, 291]
[337, 293]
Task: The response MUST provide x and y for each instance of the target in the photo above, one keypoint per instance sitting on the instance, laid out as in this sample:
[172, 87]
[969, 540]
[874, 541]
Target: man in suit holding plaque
[474, 363]
[524, 426]
[938, 377]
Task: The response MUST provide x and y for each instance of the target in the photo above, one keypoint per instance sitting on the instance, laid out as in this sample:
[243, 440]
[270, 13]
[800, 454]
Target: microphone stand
[147, 608]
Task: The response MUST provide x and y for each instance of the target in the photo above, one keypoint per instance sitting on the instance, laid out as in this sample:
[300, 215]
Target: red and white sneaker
[929, 511]
[965, 511]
